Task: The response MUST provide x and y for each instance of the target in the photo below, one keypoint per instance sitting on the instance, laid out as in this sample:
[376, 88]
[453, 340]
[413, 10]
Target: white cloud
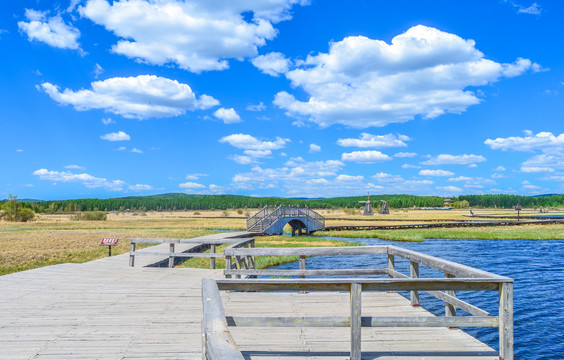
[194, 176]
[87, 180]
[436, 173]
[144, 96]
[452, 189]
[121, 148]
[387, 178]
[228, 116]
[461, 178]
[74, 167]
[257, 107]
[535, 169]
[368, 156]
[98, 70]
[347, 178]
[243, 160]
[107, 121]
[248, 142]
[196, 35]
[363, 82]
[534, 9]
[19, 150]
[313, 148]
[136, 151]
[500, 168]
[541, 141]
[273, 63]
[258, 153]
[447, 159]
[192, 185]
[410, 166]
[53, 31]
[140, 187]
[375, 141]
[116, 136]
[405, 154]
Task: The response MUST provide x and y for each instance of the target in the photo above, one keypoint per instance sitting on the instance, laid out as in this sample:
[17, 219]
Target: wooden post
[212, 259]
[391, 264]
[414, 273]
[171, 257]
[356, 296]
[227, 265]
[252, 245]
[302, 265]
[132, 254]
[450, 310]
[506, 321]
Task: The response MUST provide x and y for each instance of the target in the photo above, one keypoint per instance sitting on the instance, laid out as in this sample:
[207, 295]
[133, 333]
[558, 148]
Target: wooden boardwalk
[106, 310]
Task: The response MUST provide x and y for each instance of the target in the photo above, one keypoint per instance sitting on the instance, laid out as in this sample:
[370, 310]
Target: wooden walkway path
[106, 310]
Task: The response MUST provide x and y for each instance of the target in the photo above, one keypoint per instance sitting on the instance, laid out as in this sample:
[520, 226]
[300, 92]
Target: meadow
[56, 239]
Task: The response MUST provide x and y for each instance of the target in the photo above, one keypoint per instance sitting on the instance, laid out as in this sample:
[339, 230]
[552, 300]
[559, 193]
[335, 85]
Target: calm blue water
[536, 266]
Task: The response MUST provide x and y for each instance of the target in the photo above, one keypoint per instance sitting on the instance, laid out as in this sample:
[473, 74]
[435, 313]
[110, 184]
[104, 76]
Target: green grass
[263, 262]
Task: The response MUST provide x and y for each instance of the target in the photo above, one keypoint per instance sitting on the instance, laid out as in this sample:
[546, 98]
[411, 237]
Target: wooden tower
[367, 207]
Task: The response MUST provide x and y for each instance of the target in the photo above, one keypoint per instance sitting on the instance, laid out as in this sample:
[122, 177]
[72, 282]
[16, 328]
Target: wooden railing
[457, 278]
[172, 255]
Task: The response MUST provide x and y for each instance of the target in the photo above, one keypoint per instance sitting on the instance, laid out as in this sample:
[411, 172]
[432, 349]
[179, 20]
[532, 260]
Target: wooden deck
[106, 310]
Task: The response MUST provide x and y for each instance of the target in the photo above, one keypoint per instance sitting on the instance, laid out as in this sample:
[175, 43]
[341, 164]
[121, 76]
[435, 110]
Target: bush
[240, 212]
[25, 215]
[197, 213]
[225, 213]
[91, 216]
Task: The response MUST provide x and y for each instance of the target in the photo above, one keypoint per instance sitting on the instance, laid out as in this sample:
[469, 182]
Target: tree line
[179, 201]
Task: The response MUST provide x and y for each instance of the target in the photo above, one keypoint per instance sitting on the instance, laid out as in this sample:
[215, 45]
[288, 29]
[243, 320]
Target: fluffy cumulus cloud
[192, 185]
[436, 173]
[313, 148]
[87, 180]
[228, 116]
[405, 155]
[449, 189]
[52, 31]
[116, 136]
[549, 149]
[141, 97]
[369, 156]
[363, 82]
[273, 63]
[196, 35]
[375, 141]
[447, 159]
[249, 142]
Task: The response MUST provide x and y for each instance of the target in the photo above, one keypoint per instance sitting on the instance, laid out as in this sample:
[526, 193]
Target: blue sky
[281, 98]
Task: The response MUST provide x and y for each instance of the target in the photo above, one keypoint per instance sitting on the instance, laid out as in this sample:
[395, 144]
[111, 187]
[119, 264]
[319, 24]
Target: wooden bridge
[105, 309]
[272, 219]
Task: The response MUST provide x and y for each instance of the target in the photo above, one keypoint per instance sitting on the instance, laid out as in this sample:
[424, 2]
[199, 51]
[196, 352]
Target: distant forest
[179, 201]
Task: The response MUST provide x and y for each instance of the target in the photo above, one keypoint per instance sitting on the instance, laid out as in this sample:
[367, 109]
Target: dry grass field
[55, 239]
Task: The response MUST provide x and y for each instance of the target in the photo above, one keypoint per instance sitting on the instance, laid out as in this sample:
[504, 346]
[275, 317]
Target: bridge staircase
[272, 219]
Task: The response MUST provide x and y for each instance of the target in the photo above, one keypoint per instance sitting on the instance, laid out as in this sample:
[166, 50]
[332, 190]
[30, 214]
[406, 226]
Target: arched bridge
[272, 219]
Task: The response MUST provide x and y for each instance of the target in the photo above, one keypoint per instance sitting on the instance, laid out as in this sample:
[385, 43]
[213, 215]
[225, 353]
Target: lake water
[536, 266]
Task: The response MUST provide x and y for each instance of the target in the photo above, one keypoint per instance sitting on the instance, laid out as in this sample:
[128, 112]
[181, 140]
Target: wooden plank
[183, 255]
[271, 272]
[366, 321]
[217, 342]
[506, 321]
[310, 251]
[356, 302]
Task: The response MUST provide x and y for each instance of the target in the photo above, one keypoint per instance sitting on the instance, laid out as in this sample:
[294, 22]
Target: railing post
[450, 310]
[391, 264]
[506, 321]
[227, 265]
[212, 259]
[171, 256]
[414, 273]
[132, 254]
[302, 265]
[356, 296]
[252, 245]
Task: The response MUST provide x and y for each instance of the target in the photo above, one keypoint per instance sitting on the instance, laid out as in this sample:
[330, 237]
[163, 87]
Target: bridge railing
[457, 278]
[269, 215]
[172, 255]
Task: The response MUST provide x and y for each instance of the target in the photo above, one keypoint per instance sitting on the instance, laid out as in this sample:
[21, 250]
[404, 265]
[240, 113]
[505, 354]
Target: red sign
[109, 241]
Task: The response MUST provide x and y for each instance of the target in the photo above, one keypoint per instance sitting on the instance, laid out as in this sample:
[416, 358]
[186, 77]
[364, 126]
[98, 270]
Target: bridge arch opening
[298, 226]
